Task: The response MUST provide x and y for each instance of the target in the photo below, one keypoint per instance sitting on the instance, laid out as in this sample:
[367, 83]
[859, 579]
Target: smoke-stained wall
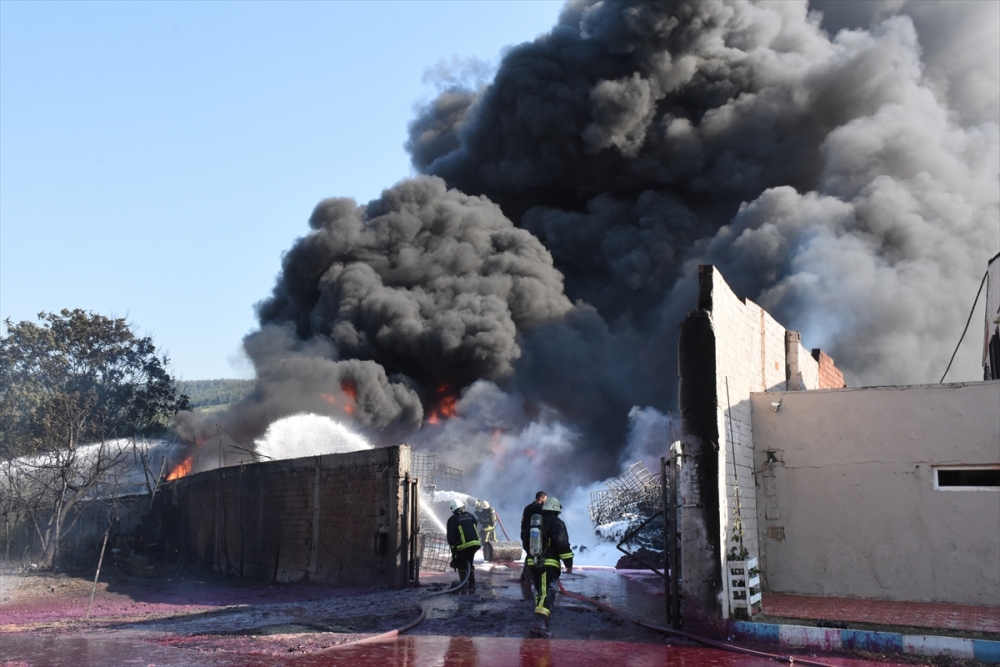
[729, 348]
[340, 518]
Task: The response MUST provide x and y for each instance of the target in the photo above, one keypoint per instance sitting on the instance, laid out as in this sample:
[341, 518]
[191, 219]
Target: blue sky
[156, 159]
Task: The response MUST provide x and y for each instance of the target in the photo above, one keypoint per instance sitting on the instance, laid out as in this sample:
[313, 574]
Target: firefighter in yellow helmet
[487, 518]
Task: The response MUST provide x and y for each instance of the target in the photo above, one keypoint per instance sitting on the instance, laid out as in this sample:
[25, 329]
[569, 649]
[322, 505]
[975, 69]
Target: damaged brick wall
[339, 518]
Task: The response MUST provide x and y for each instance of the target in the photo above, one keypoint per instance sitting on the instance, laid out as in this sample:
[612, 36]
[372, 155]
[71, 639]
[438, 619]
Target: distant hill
[212, 395]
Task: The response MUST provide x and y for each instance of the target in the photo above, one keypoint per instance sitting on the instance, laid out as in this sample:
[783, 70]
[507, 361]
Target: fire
[351, 390]
[445, 408]
[181, 469]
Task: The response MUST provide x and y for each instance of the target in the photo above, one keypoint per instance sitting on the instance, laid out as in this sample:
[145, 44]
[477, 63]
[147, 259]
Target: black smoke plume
[840, 163]
[835, 177]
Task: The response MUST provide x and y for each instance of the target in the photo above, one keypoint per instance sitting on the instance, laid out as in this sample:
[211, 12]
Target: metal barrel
[502, 551]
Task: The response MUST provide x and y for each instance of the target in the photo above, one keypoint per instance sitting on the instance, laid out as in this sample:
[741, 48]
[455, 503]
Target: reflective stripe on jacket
[463, 533]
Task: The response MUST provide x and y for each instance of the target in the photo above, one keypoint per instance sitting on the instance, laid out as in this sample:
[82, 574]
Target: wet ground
[207, 620]
[412, 651]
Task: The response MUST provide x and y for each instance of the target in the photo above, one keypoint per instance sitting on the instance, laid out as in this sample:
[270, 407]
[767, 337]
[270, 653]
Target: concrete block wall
[750, 357]
[802, 369]
[331, 519]
[729, 349]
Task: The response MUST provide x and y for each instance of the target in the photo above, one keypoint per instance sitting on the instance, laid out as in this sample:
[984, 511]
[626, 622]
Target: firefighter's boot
[540, 627]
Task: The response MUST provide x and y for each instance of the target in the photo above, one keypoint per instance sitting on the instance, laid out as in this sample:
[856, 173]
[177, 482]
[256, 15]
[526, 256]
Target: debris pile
[622, 512]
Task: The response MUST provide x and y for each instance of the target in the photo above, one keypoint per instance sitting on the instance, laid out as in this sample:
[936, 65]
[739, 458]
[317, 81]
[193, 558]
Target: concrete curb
[835, 639]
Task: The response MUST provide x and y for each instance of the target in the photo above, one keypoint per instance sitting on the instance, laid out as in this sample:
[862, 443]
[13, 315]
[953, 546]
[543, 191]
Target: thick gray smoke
[833, 175]
[839, 162]
[426, 281]
[382, 311]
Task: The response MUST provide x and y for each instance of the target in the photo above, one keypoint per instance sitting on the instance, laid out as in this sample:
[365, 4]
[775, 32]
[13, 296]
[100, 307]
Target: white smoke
[308, 435]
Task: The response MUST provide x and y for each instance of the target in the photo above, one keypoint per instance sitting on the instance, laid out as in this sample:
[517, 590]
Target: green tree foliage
[80, 377]
[210, 393]
[75, 391]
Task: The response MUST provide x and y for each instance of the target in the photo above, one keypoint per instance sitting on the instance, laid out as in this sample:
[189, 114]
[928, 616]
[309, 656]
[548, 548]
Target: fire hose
[414, 623]
[500, 521]
[649, 626]
[695, 638]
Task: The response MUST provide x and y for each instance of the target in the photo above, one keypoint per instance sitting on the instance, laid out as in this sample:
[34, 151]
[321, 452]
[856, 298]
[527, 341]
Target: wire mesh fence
[424, 466]
[635, 493]
[435, 553]
[449, 476]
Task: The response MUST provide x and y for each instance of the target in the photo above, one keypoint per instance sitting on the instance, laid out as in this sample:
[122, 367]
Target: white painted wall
[750, 356]
[851, 510]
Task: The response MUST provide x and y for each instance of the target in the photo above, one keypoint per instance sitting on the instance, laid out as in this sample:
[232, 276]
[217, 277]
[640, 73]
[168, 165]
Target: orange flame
[446, 403]
[351, 390]
[181, 469]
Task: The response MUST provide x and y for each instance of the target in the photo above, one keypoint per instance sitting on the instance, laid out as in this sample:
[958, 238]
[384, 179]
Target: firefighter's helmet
[486, 505]
[457, 505]
[552, 504]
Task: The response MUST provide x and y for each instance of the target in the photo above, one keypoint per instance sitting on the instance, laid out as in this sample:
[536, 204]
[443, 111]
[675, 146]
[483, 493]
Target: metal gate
[638, 494]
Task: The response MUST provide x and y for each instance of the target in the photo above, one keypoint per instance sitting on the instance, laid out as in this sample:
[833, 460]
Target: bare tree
[69, 389]
[53, 483]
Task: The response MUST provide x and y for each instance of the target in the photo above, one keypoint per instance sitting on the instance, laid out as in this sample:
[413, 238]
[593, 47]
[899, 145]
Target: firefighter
[555, 548]
[529, 511]
[463, 538]
[487, 517]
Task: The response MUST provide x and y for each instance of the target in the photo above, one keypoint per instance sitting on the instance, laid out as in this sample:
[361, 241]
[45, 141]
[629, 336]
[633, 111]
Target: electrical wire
[983, 282]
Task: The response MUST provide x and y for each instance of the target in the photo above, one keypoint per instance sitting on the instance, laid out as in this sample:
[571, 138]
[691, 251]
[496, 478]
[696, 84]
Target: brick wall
[802, 369]
[830, 377]
[339, 518]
